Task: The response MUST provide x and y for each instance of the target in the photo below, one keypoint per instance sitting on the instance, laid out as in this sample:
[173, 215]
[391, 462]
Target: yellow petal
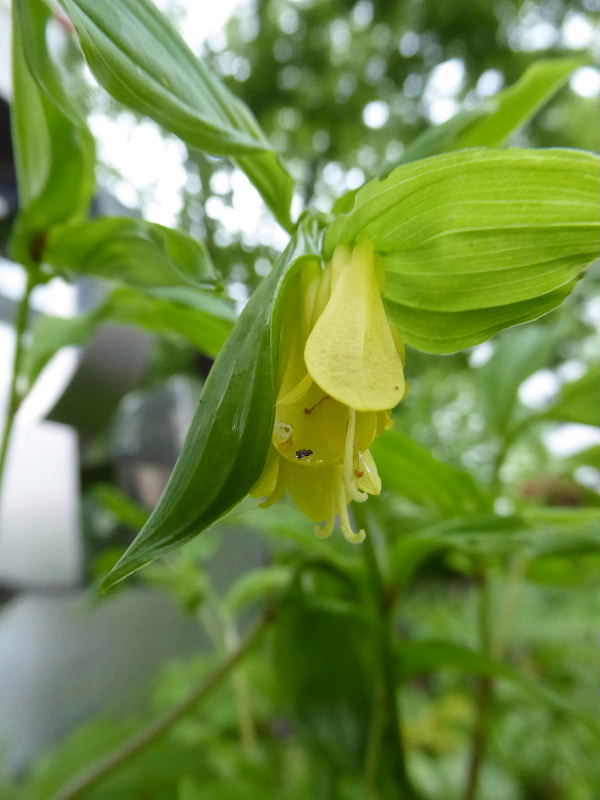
[351, 353]
[313, 490]
[267, 482]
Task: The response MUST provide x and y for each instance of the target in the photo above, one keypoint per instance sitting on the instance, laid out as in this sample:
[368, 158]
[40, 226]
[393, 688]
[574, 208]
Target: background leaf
[518, 354]
[490, 124]
[579, 401]
[131, 251]
[500, 116]
[410, 470]
[139, 58]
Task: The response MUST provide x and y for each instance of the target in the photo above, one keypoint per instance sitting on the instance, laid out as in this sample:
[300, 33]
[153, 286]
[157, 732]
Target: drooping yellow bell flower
[341, 372]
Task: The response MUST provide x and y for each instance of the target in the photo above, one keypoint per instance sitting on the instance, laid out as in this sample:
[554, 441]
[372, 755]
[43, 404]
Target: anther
[318, 403]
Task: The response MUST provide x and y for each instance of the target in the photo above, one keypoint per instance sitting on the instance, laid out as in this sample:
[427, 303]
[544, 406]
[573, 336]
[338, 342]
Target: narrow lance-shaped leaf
[495, 120]
[227, 443]
[476, 241]
[137, 55]
[54, 151]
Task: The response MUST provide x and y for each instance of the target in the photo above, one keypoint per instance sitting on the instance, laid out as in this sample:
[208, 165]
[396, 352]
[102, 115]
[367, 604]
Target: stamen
[351, 488]
[342, 501]
[318, 403]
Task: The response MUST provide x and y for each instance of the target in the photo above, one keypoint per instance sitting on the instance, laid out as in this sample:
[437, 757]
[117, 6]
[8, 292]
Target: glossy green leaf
[139, 58]
[54, 151]
[474, 241]
[227, 443]
[130, 251]
[411, 471]
[579, 401]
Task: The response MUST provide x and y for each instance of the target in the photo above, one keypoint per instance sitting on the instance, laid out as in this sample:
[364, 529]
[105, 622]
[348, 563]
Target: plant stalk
[485, 692]
[16, 393]
[386, 733]
[146, 737]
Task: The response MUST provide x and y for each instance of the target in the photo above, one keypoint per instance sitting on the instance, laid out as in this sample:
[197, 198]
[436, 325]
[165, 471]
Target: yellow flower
[341, 372]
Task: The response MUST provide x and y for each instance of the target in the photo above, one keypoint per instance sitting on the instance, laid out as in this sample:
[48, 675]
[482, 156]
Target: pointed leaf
[227, 443]
[137, 55]
[500, 116]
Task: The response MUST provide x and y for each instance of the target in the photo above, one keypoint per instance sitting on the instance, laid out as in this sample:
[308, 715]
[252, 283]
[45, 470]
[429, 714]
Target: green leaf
[227, 443]
[127, 511]
[130, 251]
[257, 585]
[487, 534]
[411, 471]
[490, 124]
[51, 334]
[536, 533]
[512, 108]
[205, 320]
[324, 662]
[418, 657]
[518, 354]
[443, 333]
[139, 58]
[579, 401]
[54, 151]
[500, 116]
[475, 241]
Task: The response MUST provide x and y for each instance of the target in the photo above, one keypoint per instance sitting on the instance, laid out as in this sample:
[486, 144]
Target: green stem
[145, 738]
[386, 733]
[15, 393]
[225, 636]
[485, 692]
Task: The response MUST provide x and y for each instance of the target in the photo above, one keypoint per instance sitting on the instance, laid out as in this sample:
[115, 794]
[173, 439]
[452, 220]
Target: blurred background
[341, 88]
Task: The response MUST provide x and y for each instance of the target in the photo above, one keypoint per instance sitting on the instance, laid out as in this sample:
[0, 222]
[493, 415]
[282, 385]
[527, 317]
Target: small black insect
[303, 453]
